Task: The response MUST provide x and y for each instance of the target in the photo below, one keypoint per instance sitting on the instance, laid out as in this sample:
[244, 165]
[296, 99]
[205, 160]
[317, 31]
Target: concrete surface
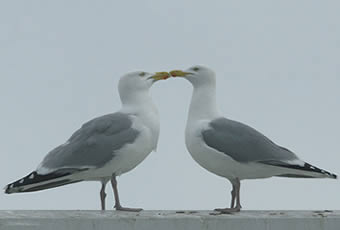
[164, 220]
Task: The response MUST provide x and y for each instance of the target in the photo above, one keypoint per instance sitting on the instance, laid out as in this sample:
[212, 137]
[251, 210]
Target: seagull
[104, 147]
[231, 149]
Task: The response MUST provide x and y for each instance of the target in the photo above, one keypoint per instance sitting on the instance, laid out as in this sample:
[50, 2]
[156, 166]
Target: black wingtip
[15, 186]
[6, 189]
[312, 168]
[35, 181]
[30, 179]
[305, 167]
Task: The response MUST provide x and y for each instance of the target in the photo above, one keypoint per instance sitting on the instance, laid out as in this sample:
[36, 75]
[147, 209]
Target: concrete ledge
[164, 220]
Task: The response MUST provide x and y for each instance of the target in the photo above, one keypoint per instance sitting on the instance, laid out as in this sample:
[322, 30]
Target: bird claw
[120, 208]
[228, 210]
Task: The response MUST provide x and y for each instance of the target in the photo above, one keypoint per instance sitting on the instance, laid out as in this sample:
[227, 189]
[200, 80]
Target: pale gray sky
[278, 70]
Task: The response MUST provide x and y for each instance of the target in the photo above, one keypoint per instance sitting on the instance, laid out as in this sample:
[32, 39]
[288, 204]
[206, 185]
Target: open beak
[179, 73]
[160, 76]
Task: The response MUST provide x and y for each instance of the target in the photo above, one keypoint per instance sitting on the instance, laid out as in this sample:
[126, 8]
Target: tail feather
[34, 181]
[307, 170]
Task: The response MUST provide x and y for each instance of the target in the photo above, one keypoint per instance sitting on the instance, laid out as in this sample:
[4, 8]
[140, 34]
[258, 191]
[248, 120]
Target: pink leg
[235, 194]
[238, 199]
[115, 192]
[103, 195]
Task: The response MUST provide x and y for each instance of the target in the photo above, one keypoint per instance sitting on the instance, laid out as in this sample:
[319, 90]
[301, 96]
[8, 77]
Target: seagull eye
[142, 74]
[195, 69]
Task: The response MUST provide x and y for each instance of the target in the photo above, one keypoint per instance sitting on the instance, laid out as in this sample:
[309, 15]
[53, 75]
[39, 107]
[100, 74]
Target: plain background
[277, 66]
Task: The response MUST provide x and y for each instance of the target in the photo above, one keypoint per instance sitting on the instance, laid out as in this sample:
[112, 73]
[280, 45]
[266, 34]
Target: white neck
[138, 102]
[203, 103]
[141, 104]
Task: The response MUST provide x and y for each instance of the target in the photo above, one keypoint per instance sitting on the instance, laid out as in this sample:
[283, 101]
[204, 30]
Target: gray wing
[93, 144]
[243, 143]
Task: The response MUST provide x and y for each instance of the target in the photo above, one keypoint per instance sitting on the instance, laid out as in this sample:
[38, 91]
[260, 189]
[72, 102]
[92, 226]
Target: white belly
[131, 155]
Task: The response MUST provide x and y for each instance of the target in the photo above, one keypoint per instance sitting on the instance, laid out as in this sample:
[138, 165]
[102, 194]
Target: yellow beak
[160, 76]
[178, 73]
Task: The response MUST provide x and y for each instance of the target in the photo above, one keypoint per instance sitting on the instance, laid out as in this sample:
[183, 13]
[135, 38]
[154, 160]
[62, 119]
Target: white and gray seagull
[104, 147]
[231, 149]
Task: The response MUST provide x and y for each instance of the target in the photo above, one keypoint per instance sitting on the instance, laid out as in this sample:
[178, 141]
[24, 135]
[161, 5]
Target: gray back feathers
[94, 143]
[243, 143]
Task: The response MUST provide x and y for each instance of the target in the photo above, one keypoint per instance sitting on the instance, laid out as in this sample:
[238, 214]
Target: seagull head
[132, 85]
[140, 80]
[197, 75]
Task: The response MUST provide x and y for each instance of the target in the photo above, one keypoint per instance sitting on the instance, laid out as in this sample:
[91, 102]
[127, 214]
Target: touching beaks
[160, 76]
[165, 75]
[179, 73]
